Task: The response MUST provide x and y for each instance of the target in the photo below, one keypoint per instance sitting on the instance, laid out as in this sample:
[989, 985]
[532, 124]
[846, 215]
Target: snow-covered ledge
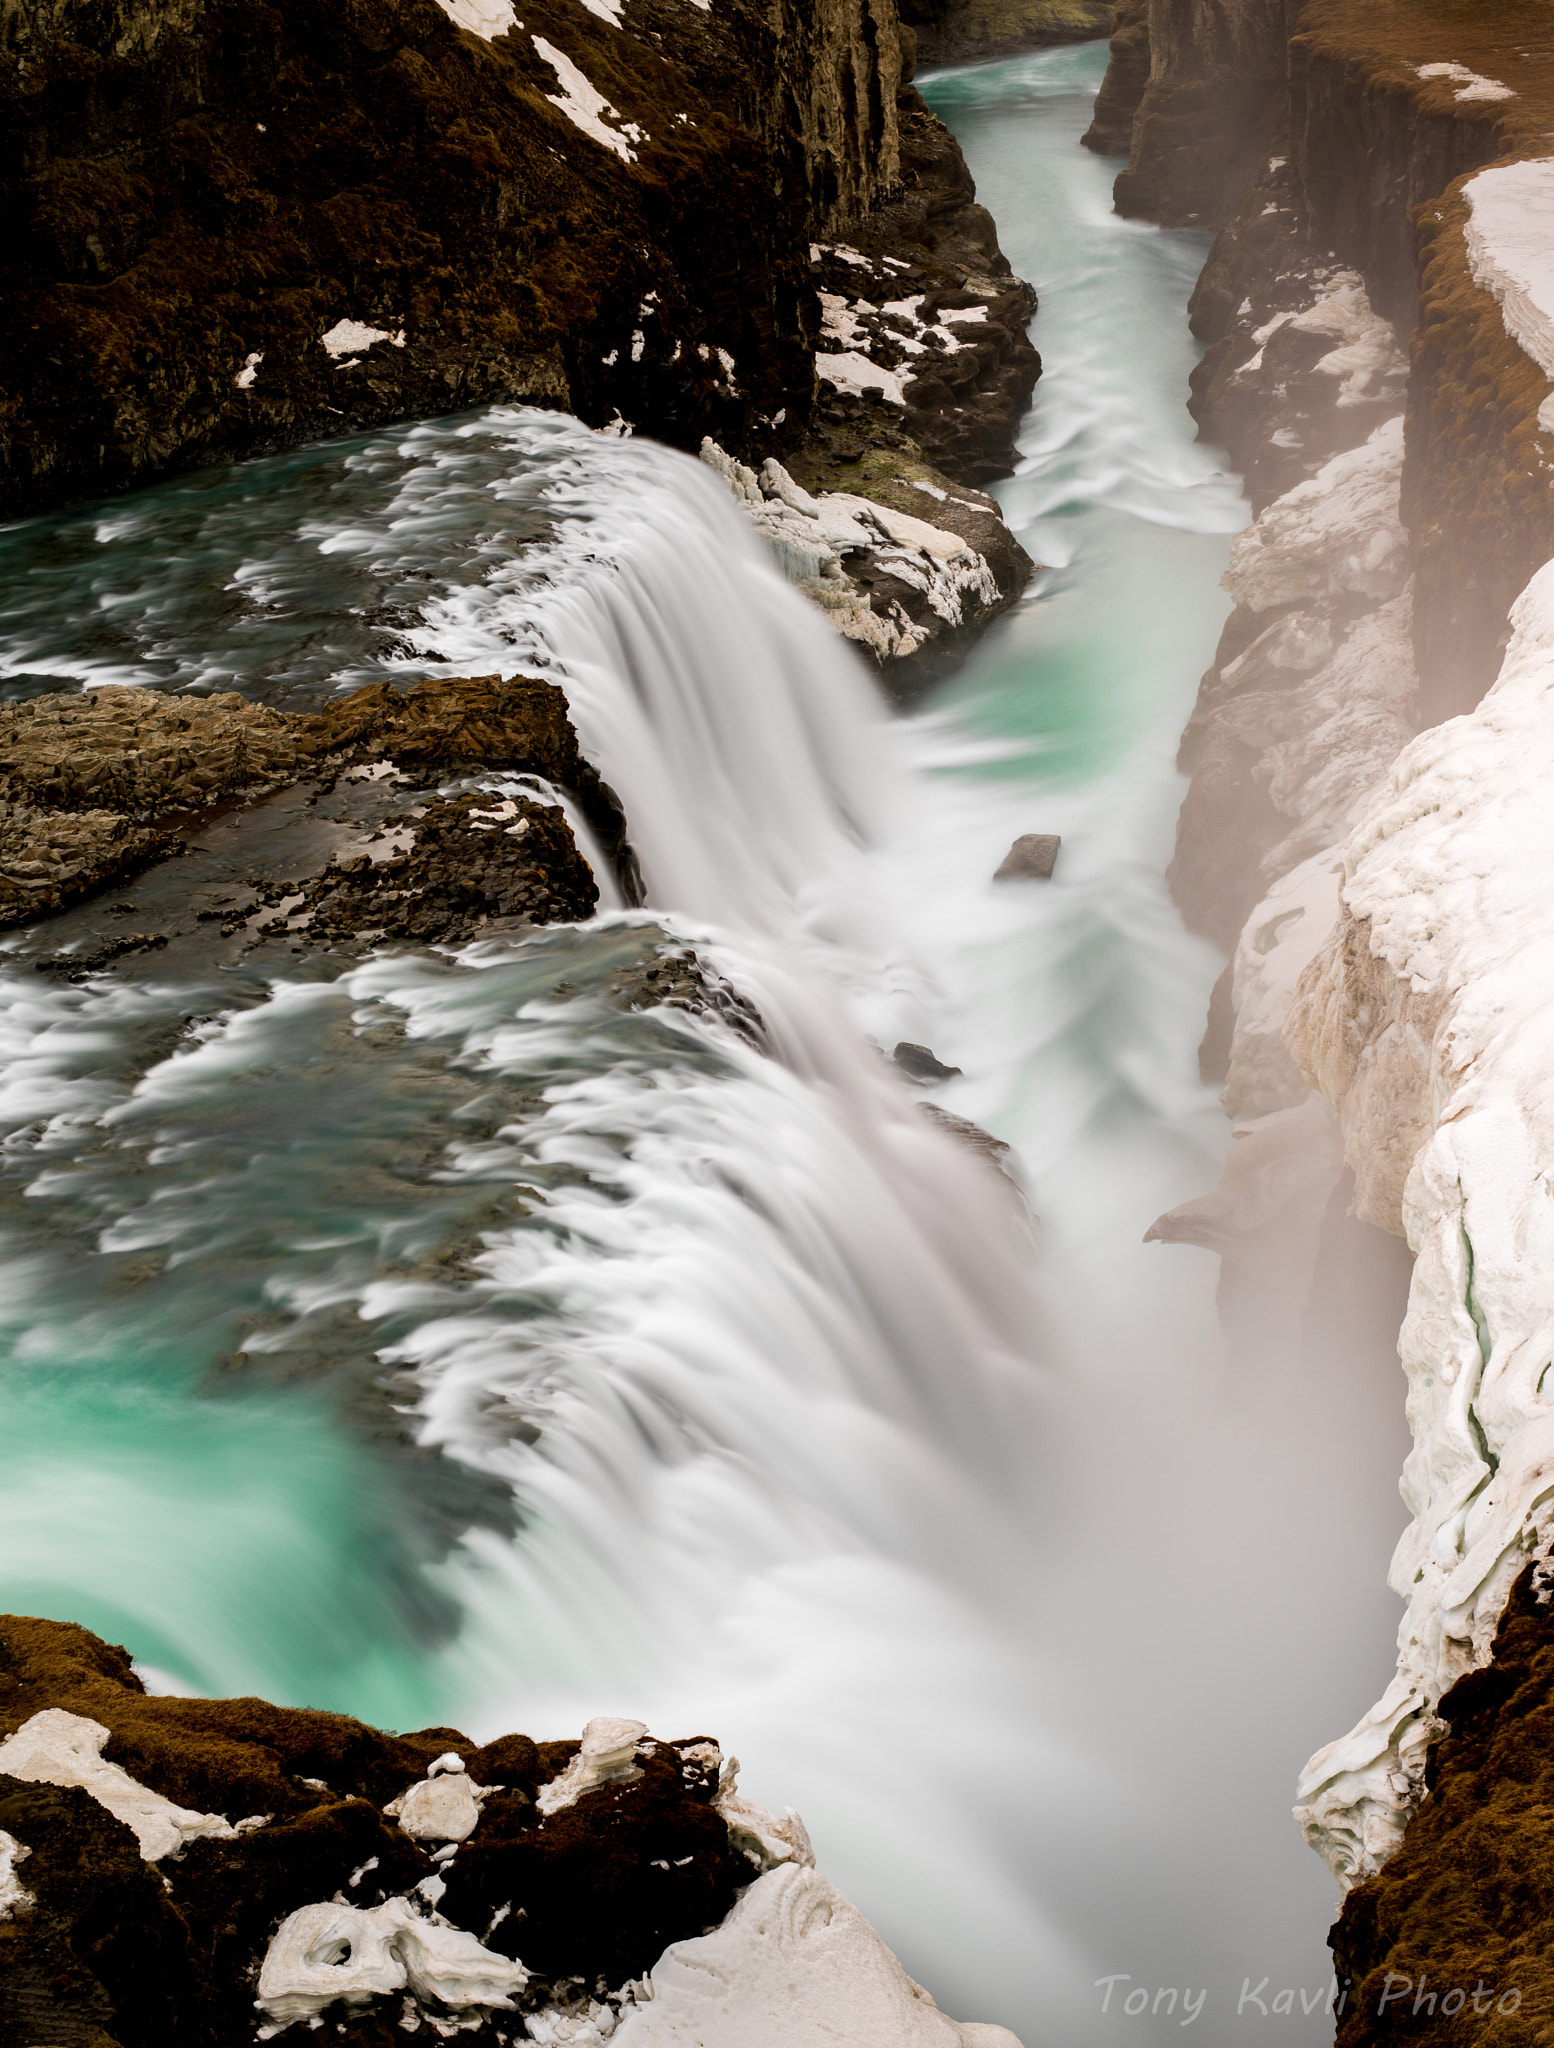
[1427, 1020]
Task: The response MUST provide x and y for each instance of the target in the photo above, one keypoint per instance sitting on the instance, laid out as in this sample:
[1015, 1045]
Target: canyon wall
[233, 229]
[1378, 314]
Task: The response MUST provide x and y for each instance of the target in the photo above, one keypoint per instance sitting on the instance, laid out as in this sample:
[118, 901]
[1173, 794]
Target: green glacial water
[437, 1341]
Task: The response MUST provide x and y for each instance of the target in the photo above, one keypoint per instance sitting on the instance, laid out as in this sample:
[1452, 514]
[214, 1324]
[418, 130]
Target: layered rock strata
[1356, 136]
[617, 1887]
[429, 815]
[973, 31]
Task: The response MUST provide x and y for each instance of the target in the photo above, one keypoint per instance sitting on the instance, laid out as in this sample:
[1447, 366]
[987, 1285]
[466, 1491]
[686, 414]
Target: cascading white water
[948, 1532]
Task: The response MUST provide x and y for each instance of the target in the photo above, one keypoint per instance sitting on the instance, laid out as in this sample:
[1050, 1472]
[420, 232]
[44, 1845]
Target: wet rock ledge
[192, 1872]
[433, 815]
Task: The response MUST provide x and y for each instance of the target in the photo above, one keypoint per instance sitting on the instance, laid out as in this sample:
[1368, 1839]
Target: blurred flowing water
[436, 1341]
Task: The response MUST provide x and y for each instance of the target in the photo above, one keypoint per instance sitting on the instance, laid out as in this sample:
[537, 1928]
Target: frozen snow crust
[615, 1886]
[1427, 1020]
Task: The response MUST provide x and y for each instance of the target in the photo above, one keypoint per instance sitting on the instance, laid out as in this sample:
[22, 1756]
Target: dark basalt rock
[191, 191]
[117, 1953]
[918, 1063]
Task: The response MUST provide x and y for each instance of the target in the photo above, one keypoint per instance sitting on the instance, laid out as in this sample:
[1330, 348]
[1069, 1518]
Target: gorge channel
[981, 1553]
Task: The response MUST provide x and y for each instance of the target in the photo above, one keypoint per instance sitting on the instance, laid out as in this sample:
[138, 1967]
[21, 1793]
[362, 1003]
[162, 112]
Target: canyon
[743, 233]
[1360, 833]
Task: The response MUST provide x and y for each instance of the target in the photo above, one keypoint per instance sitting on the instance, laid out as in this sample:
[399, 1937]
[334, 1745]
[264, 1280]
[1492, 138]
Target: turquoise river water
[767, 1409]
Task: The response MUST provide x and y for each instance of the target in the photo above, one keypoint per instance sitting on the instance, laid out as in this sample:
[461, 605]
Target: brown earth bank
[975, 31]
[109, 1950]
[1321, 110]
[1462, 1910]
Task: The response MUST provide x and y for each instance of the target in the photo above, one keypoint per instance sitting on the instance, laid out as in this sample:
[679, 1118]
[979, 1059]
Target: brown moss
[1466, 1902]
[593, 1893]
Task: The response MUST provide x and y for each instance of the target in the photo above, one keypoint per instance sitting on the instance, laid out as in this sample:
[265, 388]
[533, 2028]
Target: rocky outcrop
[1214, 82]
[100, 786]
[233, 230]
[614, 1887]
[1127, 73]
[1352, 138]
[925, 369]
[973, 31]
[1449, 1936]
[1394, 959]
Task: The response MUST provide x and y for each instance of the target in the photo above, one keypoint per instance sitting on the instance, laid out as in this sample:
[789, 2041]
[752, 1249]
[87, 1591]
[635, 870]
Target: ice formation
[812, 536]
[56, 1748]
[795, 1965]
[608, 1757]
[332, 1951]
[14, 1895]
[1286, 930]
[1365, 356]
[444, 1806]
[1428, 1021]
[1338, 533]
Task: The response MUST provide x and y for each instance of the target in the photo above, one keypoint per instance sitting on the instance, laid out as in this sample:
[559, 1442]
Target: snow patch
[347, 338]
[850, 371]
[1471, 84]
[57, 1748]
[14, 1896]
[1510, 243]
[584, 107]
[485, 18]
[245, 377]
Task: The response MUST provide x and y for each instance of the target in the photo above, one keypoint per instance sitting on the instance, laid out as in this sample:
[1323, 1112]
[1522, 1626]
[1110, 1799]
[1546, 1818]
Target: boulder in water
[1031, 858]
[919, 1064]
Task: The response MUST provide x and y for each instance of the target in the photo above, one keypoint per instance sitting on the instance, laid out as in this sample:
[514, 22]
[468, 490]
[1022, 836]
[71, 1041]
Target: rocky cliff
[235, 230]
[1379, 325]
[189, 1872]
[972, 31]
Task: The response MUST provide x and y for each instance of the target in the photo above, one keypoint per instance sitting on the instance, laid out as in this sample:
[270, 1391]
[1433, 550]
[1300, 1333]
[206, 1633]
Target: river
[763, 1408]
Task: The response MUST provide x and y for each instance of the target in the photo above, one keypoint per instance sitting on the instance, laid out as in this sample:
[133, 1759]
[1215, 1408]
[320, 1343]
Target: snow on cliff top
[1511, 251]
